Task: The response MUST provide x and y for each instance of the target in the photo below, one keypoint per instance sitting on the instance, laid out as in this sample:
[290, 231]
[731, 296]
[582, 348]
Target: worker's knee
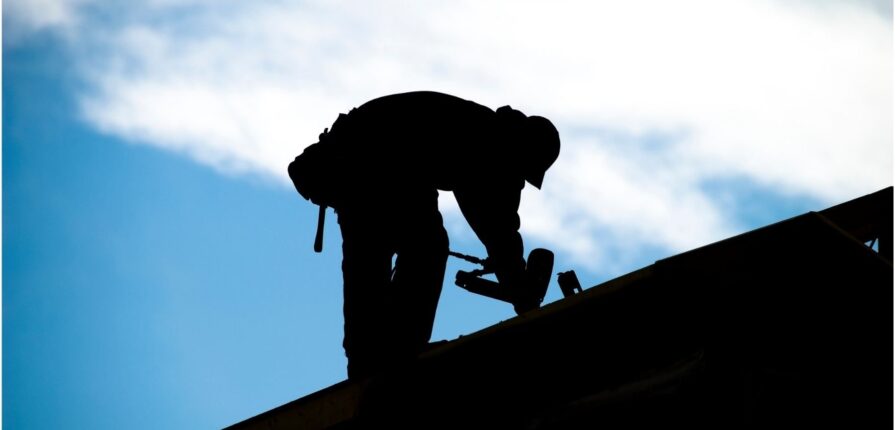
[440, 241]
[433, 242]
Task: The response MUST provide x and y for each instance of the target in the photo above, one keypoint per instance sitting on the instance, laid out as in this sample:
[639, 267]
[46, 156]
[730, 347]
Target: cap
[542, 148]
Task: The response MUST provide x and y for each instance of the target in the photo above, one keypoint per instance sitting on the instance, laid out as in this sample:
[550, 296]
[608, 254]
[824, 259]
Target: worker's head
[537, 140]
[540, 141]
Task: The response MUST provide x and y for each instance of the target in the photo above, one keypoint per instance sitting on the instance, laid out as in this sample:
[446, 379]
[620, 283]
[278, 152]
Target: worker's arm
[492, 211]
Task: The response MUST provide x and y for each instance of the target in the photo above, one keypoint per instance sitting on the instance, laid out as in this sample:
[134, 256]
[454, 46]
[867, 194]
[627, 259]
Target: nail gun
[538, 269]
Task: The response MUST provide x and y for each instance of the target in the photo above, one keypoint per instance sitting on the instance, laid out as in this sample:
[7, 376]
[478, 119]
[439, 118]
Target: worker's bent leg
[366, 268]
[419, 274]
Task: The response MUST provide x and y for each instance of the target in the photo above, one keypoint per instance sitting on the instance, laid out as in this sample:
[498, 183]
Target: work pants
[390, 311]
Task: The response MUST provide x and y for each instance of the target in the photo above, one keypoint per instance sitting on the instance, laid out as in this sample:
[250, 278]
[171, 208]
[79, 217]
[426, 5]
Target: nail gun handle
[318, 240]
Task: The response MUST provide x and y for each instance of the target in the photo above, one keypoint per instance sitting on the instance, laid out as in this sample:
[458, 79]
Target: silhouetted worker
[380, 167]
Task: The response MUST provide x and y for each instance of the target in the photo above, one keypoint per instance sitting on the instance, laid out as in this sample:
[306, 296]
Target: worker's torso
[426, 139]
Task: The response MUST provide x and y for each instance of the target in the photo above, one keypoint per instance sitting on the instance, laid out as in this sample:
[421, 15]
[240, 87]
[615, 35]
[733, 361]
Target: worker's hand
[488, 265]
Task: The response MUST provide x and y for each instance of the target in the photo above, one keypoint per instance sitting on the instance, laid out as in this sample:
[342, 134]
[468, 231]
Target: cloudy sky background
[682, 123]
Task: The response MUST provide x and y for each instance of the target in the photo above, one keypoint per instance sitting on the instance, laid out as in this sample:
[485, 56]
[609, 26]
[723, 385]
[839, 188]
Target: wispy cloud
[23, 17]
[653, 99]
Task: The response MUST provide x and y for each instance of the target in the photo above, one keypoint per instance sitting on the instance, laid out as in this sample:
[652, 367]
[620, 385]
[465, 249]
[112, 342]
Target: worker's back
[425, 138]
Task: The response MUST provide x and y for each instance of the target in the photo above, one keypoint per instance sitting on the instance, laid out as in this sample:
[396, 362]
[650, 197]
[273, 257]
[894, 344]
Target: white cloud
[28, 16]
[791, 96]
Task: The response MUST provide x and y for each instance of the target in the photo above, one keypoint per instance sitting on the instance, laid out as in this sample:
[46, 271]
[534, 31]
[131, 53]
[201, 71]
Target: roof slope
[786, 325]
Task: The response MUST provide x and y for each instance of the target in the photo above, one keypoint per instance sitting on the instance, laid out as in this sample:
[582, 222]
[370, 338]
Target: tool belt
[317, 176]
[316, 173]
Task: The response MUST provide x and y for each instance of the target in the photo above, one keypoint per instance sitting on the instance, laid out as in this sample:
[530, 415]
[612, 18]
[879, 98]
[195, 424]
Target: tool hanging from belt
[318, 239]
[318, 154]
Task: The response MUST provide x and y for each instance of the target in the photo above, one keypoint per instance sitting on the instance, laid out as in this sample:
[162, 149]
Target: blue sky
[157, 266]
